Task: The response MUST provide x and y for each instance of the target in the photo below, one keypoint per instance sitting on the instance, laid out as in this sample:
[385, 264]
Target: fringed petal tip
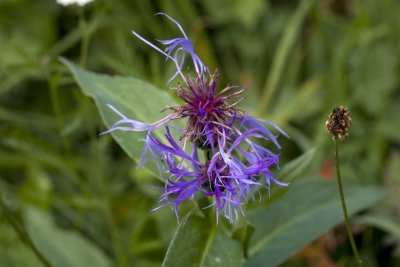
[177, 44]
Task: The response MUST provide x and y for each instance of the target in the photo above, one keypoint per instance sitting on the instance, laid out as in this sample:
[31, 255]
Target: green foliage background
[78, 195]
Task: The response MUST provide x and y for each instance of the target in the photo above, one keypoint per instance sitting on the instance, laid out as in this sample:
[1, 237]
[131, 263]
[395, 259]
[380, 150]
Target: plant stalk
[343, 202]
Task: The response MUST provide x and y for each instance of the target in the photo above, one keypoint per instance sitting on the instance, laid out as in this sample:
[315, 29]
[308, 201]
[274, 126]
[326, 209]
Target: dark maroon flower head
[210, 114]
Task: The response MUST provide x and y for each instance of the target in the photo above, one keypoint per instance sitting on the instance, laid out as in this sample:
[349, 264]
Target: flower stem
[343, 202]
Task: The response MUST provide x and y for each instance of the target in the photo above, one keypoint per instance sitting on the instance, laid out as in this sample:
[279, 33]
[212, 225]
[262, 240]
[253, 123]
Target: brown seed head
[338, 123]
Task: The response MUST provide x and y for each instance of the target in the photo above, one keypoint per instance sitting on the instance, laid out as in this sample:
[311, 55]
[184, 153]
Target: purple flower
[225, 177]
[180, 45]
[235, 165]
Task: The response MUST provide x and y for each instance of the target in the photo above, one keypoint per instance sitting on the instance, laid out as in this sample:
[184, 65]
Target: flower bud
[338, 123]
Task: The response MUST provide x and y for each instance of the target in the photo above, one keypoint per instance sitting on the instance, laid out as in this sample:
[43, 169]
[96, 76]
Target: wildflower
[339, 122]
[226, 178]
[337, 125]
[72, 2]
[235, 166]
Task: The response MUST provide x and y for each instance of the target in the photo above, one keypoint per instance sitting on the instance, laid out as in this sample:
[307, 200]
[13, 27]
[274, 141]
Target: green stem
[343, 202]
[118, 248]
[23, 235]
[53, 81]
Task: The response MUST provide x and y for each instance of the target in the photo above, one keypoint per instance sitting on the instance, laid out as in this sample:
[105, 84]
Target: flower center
[209, 114]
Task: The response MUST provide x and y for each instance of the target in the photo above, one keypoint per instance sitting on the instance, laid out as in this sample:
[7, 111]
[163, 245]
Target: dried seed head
[338, 123]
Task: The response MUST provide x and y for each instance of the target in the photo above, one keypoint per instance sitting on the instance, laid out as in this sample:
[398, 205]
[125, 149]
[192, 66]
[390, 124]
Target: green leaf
[302, 98]
[285, 47]
[306, 211]
[197, 243]
[373, 74]
[135, 98]
[246, 12]
[383, 222]
[243, 234]
[62, 248]
[14, 252]
[293, 169]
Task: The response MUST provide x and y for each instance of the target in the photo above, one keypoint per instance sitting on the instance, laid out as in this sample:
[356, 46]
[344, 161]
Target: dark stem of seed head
[344, 208]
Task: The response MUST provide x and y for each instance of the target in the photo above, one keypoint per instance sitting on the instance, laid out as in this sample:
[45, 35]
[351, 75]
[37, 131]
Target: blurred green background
[80, 197]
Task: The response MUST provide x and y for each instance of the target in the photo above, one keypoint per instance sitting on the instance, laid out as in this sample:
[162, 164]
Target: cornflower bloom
[72, 2]
[234, 166]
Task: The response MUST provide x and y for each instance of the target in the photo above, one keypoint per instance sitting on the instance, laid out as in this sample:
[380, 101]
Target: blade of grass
[285, 46]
